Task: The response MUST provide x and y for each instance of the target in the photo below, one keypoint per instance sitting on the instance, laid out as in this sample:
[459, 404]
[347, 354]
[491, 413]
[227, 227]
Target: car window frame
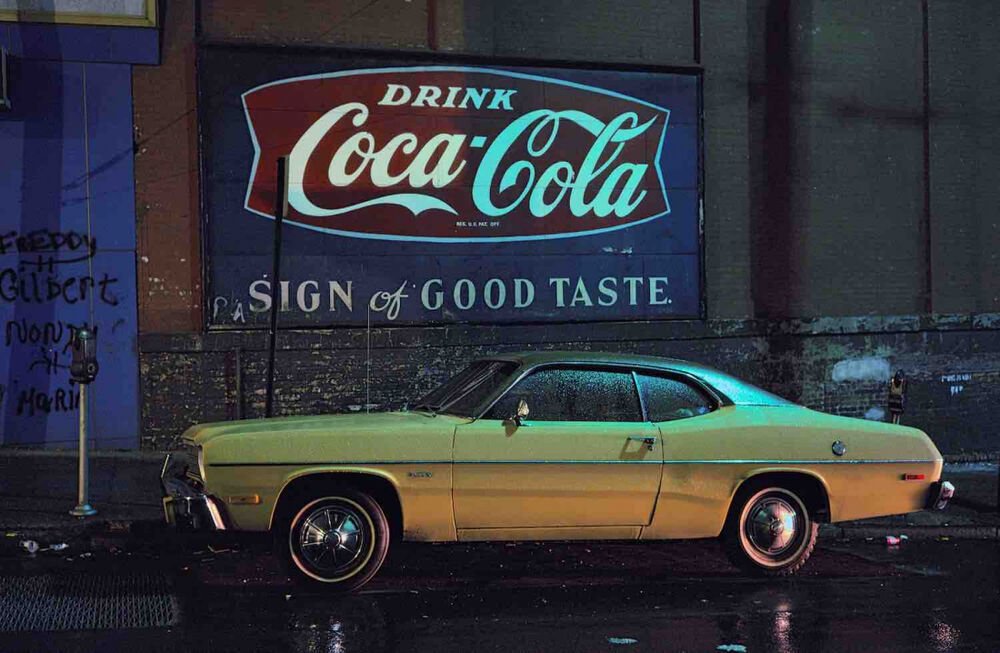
[443, 409]
[596, 366]
[718, 399]
[714, 399]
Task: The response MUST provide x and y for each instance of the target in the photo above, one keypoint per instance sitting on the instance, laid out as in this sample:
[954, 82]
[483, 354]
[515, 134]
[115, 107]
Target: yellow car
[553, 446]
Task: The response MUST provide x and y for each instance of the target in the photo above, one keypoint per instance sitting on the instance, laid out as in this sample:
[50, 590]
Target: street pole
[280, 210]
[83, 508]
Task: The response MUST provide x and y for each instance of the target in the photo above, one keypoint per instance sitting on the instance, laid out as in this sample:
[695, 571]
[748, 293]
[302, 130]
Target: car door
[584, 456]
[693, 490]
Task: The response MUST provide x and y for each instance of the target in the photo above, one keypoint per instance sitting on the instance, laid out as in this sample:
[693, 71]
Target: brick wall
[843, 176]
[835, 365]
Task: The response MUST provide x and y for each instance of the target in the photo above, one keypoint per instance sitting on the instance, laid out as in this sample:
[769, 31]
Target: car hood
[350, 436]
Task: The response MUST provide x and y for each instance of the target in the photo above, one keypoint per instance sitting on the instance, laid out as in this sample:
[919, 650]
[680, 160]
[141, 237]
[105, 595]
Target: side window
[575, 395]
[669, 399]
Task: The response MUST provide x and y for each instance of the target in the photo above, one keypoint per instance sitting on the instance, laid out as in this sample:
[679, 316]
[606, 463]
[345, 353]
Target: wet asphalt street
[230, 595]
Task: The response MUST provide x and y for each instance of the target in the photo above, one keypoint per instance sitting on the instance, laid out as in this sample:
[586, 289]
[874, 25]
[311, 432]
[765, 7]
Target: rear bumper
[185, 503]
[939, 494]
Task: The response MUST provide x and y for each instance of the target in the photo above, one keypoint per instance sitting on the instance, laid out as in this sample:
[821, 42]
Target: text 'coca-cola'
[456, 154]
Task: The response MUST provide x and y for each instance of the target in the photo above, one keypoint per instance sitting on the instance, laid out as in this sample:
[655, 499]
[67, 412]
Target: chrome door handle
[649, 442]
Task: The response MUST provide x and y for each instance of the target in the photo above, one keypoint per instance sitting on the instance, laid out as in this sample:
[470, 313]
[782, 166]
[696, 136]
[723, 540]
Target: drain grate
[85, 602]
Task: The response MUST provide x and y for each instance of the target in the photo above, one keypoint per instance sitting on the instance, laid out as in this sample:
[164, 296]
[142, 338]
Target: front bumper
[939, 495]
[185, 503]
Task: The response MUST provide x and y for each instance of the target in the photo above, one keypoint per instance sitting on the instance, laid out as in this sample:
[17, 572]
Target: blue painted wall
[67, 230]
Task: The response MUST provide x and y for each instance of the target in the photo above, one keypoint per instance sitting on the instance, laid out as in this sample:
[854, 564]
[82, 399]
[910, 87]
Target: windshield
[463, 392]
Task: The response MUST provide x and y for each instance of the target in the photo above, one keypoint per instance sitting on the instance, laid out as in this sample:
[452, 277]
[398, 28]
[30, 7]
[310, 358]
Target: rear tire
[337, 540]
[769, 531]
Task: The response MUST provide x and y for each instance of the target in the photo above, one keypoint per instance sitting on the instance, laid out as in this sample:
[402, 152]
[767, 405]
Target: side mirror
[522, 412]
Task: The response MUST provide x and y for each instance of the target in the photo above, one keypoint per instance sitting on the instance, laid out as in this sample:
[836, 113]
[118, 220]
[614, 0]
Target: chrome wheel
[332, 539]
[769, 531]
[771, 526]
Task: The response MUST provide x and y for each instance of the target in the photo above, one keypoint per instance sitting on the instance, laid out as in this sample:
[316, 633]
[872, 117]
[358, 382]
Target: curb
[837, 531]
[973, 457]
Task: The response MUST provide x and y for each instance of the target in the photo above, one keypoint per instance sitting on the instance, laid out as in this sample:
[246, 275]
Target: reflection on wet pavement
[859, 596]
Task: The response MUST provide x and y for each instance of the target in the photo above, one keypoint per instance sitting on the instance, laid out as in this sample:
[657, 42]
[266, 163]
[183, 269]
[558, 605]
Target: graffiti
[33, 401]
[75, 246]
[45, 333]
[956, 383]
[16, 285]
[47, 336]
[221, 304]
[39, 279]
[49, 361]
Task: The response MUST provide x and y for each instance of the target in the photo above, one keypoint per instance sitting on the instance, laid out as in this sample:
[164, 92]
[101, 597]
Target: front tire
[770, 532]
[338, 540]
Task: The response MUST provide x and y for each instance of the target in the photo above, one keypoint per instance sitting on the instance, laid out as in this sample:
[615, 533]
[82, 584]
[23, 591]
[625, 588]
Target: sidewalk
[38, 489]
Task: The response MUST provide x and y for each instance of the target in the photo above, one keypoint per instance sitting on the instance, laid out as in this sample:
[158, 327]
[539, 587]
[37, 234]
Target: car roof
[736, 390]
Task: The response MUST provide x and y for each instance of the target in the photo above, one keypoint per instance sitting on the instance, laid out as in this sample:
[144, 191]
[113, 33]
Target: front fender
[298, 474]
[423, 489]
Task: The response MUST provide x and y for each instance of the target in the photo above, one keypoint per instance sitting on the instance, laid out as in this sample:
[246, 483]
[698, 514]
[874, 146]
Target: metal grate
[85, 602]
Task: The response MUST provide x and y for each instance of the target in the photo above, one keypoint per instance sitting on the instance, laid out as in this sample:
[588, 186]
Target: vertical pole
[239, 383]
[83, 508]
[280, 209]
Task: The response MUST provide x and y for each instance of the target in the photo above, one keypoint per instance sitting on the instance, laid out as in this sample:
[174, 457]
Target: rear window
[667, 398]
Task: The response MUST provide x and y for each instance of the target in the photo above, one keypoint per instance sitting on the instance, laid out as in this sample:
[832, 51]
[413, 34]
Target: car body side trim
[578, 462]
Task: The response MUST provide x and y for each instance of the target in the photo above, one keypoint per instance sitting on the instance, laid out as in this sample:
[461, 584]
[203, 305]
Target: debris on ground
[11, 534]
[55, 547]
[622, 640]
[30, 546]
[217, 551]
[735, 648]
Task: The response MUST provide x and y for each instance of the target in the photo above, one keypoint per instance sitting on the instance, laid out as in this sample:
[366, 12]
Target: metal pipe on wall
[280, 209]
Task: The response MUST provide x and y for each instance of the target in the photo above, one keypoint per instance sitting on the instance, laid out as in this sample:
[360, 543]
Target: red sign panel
[455, 154]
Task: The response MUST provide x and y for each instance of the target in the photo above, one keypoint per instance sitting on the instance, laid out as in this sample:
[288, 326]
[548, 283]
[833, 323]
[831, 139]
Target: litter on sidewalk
[31, 546]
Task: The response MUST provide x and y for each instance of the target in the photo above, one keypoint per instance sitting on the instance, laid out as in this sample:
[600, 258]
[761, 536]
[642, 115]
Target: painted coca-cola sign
[426, 193]
[456, 154]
